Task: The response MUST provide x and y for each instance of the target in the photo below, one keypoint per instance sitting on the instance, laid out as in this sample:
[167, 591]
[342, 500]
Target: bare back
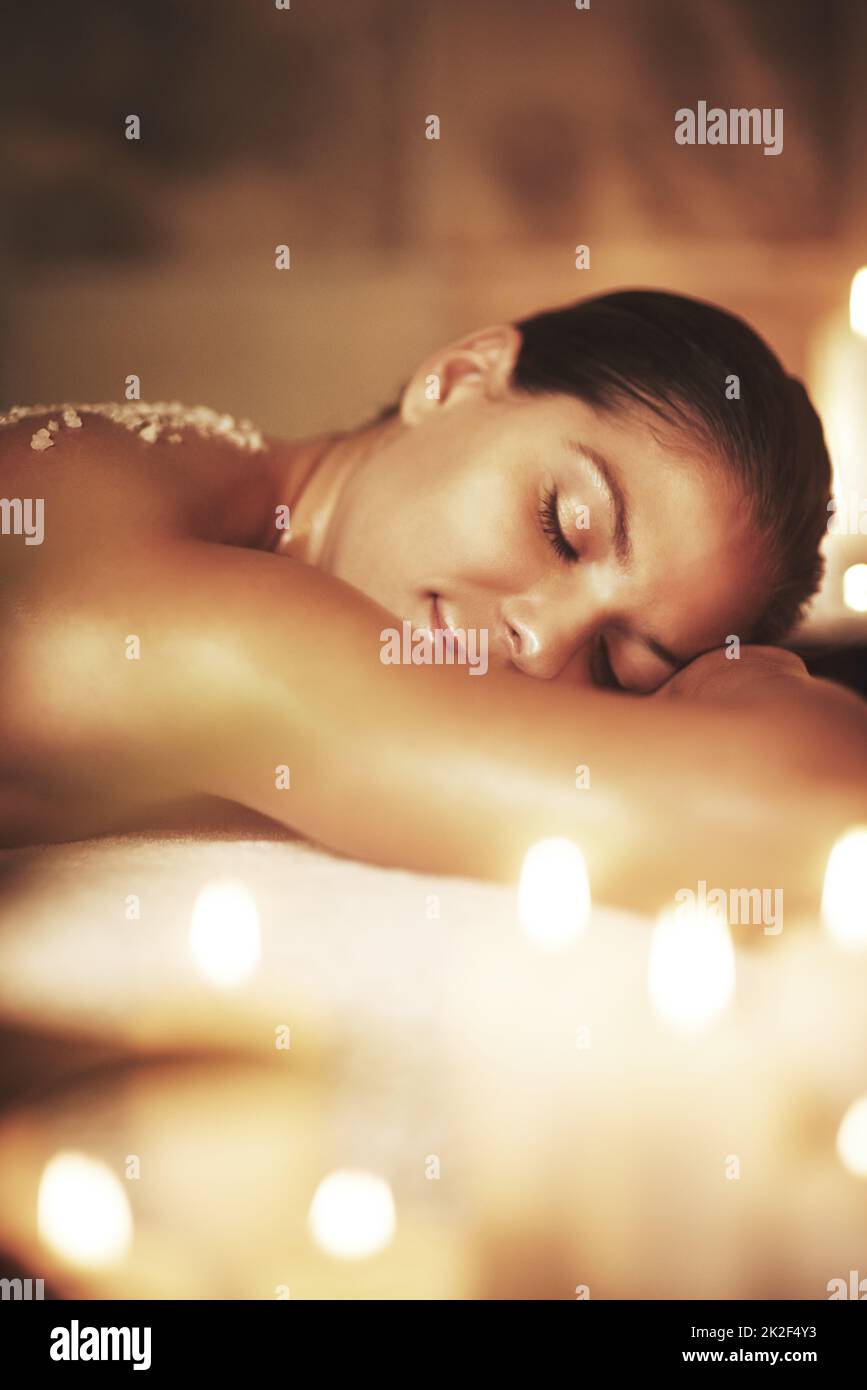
[91, 508]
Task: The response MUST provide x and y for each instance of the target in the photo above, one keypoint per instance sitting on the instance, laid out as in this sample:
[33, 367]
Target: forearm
[711, 795]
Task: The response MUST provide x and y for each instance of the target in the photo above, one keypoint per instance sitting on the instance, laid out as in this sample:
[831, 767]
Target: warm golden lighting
[83, 1212]
[855, 588]
[852, 1138]
[352, 1214]
[553, 892]
[858, 302]
[692, 967]
[224, 934]
[844, 896]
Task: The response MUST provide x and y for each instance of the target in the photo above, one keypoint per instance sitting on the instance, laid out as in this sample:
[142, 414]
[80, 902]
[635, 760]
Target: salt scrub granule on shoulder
[150, 423]
[41, 441]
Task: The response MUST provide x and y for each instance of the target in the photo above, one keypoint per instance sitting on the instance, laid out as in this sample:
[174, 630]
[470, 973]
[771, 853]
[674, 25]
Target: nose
[542, 638]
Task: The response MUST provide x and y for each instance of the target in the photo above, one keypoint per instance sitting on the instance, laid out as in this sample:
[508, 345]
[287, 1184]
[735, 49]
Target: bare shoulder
[100, 471]
[82, 469]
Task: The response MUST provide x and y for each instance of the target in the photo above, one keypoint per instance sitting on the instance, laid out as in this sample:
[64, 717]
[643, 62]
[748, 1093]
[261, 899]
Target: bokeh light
[352, 1214]
[858, 302]
[83, 1212]
[852, 1138]
[855, 588]
[225, 940]
[553, 893]
[844, 895]
[692, 967]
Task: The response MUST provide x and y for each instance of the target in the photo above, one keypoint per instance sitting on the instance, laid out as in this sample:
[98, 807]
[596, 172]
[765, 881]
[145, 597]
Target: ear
[480, 364]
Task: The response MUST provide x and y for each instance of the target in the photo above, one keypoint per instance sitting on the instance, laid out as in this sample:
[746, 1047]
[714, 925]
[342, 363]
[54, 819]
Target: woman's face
[589, 549]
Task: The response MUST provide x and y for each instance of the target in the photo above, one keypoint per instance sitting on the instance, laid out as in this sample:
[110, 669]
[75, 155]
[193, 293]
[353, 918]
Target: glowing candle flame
[692, 967]
[858, 302]
[852, 1138]
[83, 1212]
[553, 892]
[352, 1214]
[224, 933]
[844, 896]
[855, 588]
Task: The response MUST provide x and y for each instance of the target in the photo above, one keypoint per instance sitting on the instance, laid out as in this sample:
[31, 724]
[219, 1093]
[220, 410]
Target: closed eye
[549, 517]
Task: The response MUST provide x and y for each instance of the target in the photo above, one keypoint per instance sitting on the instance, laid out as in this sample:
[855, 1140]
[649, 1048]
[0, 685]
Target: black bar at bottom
[164, 1338]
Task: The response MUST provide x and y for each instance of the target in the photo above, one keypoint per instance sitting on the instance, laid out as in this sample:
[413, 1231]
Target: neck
[311, 475]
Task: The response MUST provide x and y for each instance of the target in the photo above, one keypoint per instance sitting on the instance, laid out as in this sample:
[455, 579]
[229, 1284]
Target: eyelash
[549, 516]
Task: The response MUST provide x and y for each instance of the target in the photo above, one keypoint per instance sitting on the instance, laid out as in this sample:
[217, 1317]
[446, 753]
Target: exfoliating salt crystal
[147, 421]
[41, 441]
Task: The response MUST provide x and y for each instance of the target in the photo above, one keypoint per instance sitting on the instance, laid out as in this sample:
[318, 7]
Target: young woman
[624, 498]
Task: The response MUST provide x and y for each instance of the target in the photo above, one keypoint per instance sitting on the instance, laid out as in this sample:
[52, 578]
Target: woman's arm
[250, 663]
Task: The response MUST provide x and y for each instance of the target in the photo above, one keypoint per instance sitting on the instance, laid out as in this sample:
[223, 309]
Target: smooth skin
[258, 653]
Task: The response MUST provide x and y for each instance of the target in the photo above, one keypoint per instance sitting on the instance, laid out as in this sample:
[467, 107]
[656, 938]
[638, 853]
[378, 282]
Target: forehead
[697, 557]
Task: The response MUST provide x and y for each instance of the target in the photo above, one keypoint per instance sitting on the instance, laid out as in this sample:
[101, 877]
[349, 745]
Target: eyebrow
[623, 538]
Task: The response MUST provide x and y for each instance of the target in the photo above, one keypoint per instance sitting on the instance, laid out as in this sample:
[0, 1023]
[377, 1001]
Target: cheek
[429, 524]
[394, 539]
[484, 521]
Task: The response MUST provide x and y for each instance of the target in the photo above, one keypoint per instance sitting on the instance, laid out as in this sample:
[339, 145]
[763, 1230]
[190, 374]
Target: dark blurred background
[307, 127]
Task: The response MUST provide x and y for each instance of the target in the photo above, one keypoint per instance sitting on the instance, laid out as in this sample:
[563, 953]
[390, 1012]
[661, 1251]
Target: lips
[438, 622]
